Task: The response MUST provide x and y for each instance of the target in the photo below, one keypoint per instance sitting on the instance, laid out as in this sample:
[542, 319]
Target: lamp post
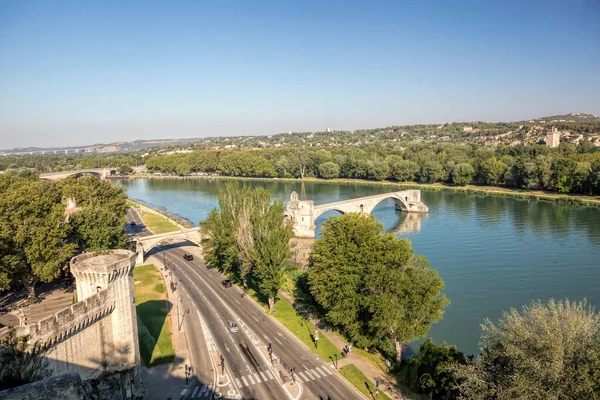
[424, 379]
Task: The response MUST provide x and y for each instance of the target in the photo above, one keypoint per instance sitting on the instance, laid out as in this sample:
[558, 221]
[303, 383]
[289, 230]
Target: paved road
[139, 228]
[245, 362]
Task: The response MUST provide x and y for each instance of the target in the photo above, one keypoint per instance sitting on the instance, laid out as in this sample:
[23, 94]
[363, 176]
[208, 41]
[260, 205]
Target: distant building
[467, 128]
[328, 129]
[553, 138]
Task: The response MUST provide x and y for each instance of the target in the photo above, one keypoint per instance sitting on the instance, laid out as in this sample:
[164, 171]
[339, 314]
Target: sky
[83, 72]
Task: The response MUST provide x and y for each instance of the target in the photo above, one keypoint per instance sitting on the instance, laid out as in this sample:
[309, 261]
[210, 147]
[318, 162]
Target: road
[139, 228]
[245, 362]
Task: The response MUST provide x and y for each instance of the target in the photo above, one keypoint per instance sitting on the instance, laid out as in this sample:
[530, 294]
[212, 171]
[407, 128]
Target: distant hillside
[572, 117]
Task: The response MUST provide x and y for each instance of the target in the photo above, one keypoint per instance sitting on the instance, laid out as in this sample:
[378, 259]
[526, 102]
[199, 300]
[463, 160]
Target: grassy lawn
[154, 322]
[157, 223]
[305, 330]
[361, 382]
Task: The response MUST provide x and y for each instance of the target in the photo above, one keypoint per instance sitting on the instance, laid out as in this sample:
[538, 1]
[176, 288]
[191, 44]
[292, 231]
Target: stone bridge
[100, 173]
[146, 243]
[303, 213]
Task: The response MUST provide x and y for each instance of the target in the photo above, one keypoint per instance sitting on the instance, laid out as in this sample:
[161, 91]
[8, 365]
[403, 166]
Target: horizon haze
[77, 73]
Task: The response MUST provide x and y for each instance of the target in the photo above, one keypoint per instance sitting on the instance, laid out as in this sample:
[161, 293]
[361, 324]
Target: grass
[305, 330]
[157, 223]
[154, 322]
[361, 382]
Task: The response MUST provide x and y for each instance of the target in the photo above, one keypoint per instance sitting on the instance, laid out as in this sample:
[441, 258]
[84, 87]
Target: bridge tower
[301, 213]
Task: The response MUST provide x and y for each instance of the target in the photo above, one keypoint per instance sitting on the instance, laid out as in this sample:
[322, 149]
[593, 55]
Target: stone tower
[112, 272]
[301, 212]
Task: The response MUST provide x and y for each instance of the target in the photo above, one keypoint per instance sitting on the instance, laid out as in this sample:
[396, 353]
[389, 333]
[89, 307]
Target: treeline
[58, 163]
[566, 169]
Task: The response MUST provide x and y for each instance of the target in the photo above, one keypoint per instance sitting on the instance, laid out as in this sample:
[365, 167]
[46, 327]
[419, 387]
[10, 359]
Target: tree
[34, 236]
[219, 246]
[546, 351]
[329, 170]
[371, 284]
[20, 361]
[462, 174]
[493, 171]
[272, 237]
[434, 360]
[404, 170]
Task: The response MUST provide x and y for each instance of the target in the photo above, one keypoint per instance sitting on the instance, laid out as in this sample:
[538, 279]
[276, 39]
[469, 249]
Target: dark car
[132, 223]
[188, 257]
[227, 283]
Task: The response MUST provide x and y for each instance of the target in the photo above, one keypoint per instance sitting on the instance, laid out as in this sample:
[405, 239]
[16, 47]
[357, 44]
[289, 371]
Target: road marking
[255, 318]
[318, 375]
[237, 301]
[277, 340]
[184, 391]
[238, 382]
[297, 378]
[269, 374]
[250, 379]
[245, 382]
[327, 370]
[204, 387]
[304, 378]
[263, 376]
[257, 378]
[307, 372]
[195, 391]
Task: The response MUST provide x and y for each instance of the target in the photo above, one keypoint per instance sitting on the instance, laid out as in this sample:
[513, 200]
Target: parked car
[233, 328]
[227, 283]
[188, 257]
[132, 223]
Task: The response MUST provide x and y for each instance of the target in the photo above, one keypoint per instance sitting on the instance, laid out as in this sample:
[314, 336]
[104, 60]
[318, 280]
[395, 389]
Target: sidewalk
[167, 381]
[372, 372]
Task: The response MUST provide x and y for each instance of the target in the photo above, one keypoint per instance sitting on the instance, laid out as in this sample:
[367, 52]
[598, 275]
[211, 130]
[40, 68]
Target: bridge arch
[147, 243]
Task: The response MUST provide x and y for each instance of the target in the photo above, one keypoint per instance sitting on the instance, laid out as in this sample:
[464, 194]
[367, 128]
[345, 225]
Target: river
[492, 252]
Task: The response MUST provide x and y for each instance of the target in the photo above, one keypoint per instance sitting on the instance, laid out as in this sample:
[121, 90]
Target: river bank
[592, 201]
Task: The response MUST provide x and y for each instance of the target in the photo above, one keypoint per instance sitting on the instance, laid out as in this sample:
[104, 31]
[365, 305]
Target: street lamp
[424, 379]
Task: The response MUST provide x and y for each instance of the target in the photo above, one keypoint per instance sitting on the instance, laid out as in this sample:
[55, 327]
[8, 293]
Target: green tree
[546, 351]
[329, 170]
[272, 237]
[20, 361]
[462, 174]
[434, 360]
[371, 284]
[493, 171]
[404, 170]
[33, 232]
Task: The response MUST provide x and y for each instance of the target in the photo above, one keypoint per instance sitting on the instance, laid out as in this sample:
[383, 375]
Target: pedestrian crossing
[305, 375]
[253, 378]
[202, 392]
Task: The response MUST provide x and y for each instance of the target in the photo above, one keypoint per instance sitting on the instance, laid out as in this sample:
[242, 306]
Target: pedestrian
[350, 349]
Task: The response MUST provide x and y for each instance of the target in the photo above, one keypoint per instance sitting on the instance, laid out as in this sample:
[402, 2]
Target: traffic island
[284, 374]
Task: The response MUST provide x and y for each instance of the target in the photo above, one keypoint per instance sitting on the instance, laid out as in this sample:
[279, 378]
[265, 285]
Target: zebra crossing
[306, 375]
[202, 392]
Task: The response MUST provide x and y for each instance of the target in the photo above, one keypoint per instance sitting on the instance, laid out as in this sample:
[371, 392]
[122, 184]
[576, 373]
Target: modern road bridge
[303, 213]
[101, 173]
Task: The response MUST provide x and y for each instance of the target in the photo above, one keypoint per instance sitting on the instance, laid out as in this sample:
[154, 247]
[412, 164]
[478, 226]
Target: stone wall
[98, 334]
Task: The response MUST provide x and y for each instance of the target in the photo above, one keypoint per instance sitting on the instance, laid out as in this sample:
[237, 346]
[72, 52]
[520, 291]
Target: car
[132, 223]
[188, 257]
[233, 328]
[227, 283]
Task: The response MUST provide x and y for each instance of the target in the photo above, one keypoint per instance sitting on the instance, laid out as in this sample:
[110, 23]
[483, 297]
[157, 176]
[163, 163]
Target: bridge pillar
[139, 249]
[301, 212]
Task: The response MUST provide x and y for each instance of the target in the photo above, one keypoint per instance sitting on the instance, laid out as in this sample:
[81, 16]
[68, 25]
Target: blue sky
[83, 72]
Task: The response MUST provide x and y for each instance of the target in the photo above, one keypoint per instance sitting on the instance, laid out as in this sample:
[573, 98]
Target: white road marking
[245, 382]
[307, 372]
[195, 391]
[263, 376]
[184, 391]
[237, 301]
[257, 378]
[238, 382]
[251, 379]
[277, 340]
[328, 371]
[315, 370]
[255, 318]
[204, 387]
[304, 378]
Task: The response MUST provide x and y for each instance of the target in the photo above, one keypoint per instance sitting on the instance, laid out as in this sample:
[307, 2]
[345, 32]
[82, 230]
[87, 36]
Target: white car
[233, 328]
